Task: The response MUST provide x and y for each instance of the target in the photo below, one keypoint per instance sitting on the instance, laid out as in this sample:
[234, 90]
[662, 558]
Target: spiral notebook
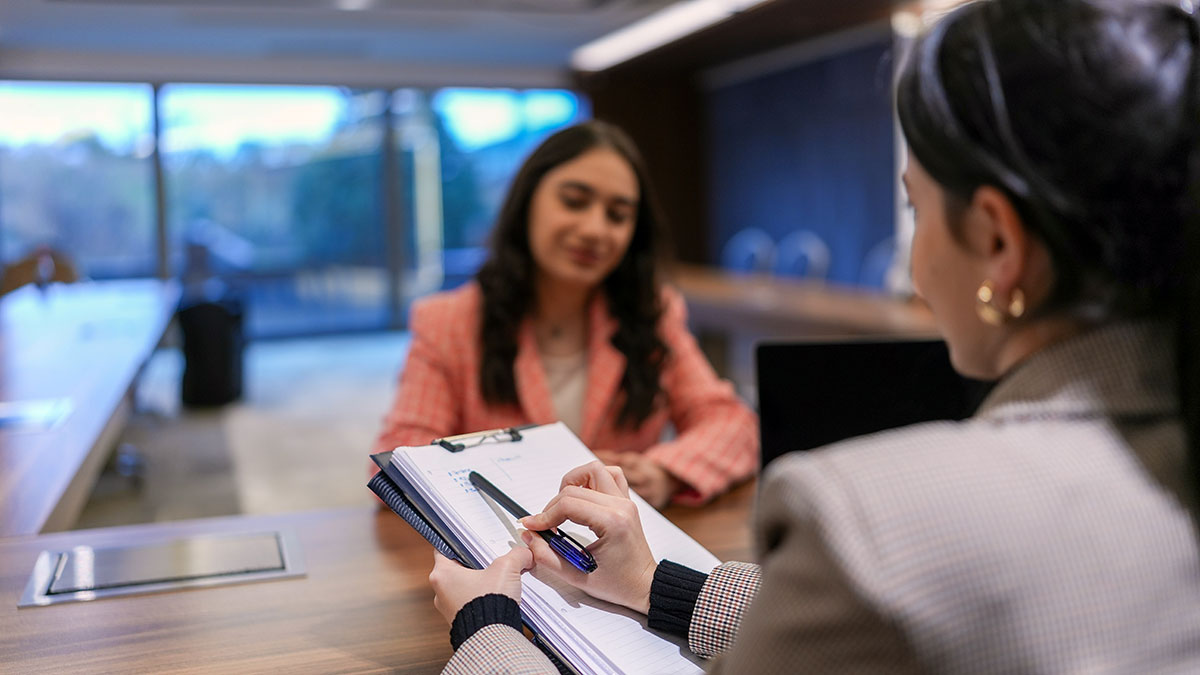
[429, 488]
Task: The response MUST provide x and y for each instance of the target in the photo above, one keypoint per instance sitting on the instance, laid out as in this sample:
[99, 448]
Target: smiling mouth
[584, 257]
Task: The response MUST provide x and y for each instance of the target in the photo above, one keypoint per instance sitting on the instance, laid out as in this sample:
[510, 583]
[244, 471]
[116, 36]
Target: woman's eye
[618, 217]
[574, 203]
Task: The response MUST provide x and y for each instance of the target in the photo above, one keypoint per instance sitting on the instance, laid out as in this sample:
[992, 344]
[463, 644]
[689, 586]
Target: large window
[289, 197]
[76, 175]
[276, 190]
[459, 149]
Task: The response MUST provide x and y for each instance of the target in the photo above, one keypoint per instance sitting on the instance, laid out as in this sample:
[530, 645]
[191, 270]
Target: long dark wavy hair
[1084, 113]
[631, 290]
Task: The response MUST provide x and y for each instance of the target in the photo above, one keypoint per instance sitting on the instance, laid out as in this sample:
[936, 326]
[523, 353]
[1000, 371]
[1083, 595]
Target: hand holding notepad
[455, 585]
[591, 635]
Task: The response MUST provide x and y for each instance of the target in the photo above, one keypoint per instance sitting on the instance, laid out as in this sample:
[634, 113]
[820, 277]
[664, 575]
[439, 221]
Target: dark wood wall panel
[657, 99]
[664, 115]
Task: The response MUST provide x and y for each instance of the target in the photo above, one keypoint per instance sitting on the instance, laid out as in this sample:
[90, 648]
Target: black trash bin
[213, 349]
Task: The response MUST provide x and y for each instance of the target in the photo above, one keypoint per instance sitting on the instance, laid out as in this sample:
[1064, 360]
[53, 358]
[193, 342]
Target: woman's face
[947, 274]
[581, 218]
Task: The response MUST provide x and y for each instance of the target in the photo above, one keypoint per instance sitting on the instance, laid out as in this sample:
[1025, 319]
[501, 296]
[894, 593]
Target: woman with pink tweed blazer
[567, 320]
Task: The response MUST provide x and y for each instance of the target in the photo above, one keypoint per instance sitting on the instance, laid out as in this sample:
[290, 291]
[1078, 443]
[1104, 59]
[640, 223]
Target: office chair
[802, 254]
[750, 250]
[877, 264]
[42, 266]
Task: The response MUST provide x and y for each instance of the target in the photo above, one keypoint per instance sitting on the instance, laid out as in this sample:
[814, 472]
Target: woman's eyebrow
[575, 185]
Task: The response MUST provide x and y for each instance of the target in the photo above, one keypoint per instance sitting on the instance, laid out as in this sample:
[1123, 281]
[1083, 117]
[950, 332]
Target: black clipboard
[398, 493]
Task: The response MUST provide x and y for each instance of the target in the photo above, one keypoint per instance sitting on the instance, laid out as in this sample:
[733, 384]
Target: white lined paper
[596, 636]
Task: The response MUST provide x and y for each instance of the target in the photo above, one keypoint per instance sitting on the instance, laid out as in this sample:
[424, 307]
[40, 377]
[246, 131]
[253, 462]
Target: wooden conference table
[730, 312]
[782, 307]
[364, 606]
[76, 350]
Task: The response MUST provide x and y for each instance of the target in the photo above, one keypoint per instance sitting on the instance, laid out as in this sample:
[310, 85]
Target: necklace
[561, 338]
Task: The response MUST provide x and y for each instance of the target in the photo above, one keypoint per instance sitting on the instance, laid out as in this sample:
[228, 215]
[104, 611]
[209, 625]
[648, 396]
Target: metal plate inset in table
[84, 573]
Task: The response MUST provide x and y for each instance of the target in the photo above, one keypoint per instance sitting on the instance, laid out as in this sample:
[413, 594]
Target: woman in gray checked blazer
[1055, 174]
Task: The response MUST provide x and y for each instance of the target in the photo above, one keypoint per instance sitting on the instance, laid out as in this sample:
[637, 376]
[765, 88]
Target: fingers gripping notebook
[430, 484]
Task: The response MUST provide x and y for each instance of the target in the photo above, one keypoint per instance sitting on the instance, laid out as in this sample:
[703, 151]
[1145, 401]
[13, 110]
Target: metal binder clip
[463, 441]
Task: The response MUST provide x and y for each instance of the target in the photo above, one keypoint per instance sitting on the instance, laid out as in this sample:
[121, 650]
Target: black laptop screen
[813, 393]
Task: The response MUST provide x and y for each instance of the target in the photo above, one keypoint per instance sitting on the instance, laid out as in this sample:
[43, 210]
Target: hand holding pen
[597, 497]
[560, 542]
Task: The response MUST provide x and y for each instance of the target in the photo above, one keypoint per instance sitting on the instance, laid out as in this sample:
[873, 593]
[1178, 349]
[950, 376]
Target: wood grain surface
[730, 313]
[788, 308]
[364, 606]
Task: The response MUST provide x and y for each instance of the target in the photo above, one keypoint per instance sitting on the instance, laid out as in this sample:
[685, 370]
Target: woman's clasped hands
[647, 478]
[593, 495]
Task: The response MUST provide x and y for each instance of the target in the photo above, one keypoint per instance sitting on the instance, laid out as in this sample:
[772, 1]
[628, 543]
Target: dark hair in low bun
[1084, 112]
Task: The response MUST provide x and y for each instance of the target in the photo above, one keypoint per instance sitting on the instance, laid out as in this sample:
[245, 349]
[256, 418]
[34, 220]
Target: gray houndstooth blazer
[1047, 534]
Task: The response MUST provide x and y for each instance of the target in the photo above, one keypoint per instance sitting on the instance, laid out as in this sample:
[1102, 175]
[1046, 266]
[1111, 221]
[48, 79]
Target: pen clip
[573, 551]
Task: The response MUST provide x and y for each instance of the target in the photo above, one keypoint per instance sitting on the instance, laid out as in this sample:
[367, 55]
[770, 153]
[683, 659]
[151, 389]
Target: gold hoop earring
[987, 309]
[1016, 304]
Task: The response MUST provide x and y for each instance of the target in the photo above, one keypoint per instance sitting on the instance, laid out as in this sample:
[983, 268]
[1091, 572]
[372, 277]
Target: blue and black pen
[562, 543]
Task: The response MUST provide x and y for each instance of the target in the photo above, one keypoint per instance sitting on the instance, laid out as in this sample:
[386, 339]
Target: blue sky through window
[45, 113]
[220, 118]
[216, 118]
[478, 118]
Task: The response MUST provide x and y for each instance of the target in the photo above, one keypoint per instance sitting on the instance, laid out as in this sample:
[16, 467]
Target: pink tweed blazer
[716, 443]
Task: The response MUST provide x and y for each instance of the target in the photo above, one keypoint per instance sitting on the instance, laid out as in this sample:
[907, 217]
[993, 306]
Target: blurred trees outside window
[459, 149]
[76, 175]
[276, 190]
[287, 195]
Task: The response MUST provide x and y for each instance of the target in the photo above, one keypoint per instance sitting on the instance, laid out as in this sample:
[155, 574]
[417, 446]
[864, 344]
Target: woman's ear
[996, 233]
